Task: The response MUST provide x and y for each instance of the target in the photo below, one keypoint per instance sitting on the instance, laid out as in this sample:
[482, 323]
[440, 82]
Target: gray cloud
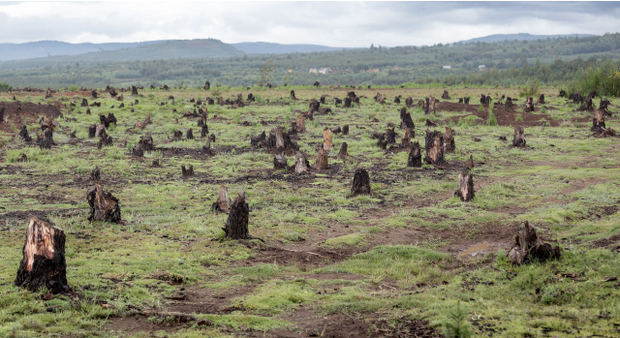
[347, 24]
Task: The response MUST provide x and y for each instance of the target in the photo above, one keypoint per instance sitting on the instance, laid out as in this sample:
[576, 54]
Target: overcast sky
[341, 24]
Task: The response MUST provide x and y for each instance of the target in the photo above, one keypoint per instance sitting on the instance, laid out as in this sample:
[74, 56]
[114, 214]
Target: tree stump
[345, 129]
[314, 106]
[434, 147]
[43, 262]
[361, 183]
[95, 174]
[293, 97]
[279, 161]
[344, 151]
[528, 247]
[237, 222]
[407, 136]
[466, 187]
[327, 139]
[222, 204]
[541, 99]
[409, 102]
[103, 205]
[204, 130]
[445, 95]
[146, 142]
[598, 122]
[405, 119]
[187, 172]
[470, 162]
[448, 140]
[104, 138]
[415, 156]
[397, 99]
[347, 102]
[189, 134]
[46, 140]
[23, 133]
[321, 159]
[518, 140]
[300, 123]
[136, 151]
[207, 85]
[336, 130]
[134, 90]
[301, 163]
[529, 105]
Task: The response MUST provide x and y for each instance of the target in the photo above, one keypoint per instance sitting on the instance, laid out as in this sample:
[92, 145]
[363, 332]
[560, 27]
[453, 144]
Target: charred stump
[95, 174]
[103, 205]
[204, 130]
[187, 172]
[519, 139]
[84, 102]
[562, 93]
[146, 142]
[46, 140]
[361, 183]
[94, 94]
[448, 140]
[528, 247]
[238, 217]
[347, 102]
[397, 99]
[409, 102]
[293, 97]
[207, 85]
[222, 204]
[43, 262]
[344, 151]
[314, 106]
[434, 147]
[279, 161]
[415, 156]
[541, 99]
[466, 187]
[189, 134]
[134, 90]
[445, 95]
[529, 105]
[405, 119]
[345, 129]
[23, 133]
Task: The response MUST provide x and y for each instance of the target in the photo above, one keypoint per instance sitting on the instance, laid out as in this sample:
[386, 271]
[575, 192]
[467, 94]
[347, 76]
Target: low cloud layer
[342, 24]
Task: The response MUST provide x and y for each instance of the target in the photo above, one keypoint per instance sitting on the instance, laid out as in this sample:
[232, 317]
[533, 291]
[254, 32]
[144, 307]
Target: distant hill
[277, 48]
[38, 49]
[521, 37]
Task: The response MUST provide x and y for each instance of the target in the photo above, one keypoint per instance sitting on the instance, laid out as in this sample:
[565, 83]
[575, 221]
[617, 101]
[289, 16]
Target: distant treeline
[509, 63]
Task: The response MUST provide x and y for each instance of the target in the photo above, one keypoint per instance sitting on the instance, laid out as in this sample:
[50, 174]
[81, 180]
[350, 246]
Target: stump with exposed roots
[43, 262]
[103, 205]
[466, 187]
[528, 247]
[361, 183]
[415, 156]
[434, 147]
[519, 139]
[237, 222]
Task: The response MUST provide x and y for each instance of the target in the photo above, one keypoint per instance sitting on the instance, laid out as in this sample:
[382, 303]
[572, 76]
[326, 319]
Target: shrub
[530, 89]
[604, 79]
[457, 326]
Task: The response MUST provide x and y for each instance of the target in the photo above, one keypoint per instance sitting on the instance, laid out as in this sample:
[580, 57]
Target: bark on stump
[222, 204]
[23, 133]
[361, 183]
[146, 142]
[448, 140]
[518, 140]
[43, 262]
[345, 129]
[103, 206]
[300, 123]
[344, 151]
[92, 130]
[237, 222]
[189, 134]
[279, 161]
[46, 140]
[405, 119]
[466, 187]
[529, 105]
[528, 247]
[434, 147]
[598, 122]
[415, 156]
[409, 102]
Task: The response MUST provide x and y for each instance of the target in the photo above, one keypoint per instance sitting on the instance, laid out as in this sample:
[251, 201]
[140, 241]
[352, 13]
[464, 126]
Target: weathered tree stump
[470, 162]
[43, 262]
[345, 129]
[347, 102]
[519, 139]
[314, 106]
[448, 140]
[527, 247]
[279, 161]
[104, 138]
[134, 90]
[293, 97]
[336, 130]
[445, 95]
[562, 93]
[407, 136]
[434, 147]
[189, 134]
[222, 204]
[94, 94]
[187, 172]
[207, 85]
[23, 133]
[136, 151]
[301, 163]
[321, 159]
[598, 122]
[300, 123]
[405, 119]
[466, 187]
[541, 99]
[204, 131]
[344, 151]
[529, 105]
[146, 142]
[361, 183]
[327, 139]
[84, 103]
[95, 174]
[46, 140]
[415, 156]
[103, 205]
[409, 102]
[238, 217]
[397, 99]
